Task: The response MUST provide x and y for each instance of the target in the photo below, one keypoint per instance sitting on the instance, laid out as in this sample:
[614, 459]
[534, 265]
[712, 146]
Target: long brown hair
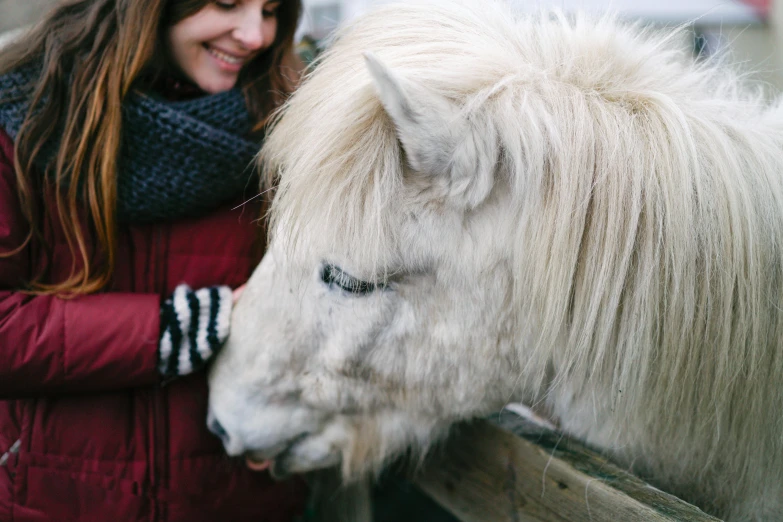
[93, 52]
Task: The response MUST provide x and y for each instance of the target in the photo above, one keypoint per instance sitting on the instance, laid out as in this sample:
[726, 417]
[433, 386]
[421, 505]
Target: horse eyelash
[333, 275]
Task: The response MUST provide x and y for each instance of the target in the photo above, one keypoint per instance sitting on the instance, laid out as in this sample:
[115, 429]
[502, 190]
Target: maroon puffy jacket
[100, 440]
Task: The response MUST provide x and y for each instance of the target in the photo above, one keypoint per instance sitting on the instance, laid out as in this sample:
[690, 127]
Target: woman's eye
[270, 11]
[226, 4]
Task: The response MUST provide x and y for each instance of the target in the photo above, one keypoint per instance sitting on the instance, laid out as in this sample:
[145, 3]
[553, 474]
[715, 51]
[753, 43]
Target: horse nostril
[216, 428]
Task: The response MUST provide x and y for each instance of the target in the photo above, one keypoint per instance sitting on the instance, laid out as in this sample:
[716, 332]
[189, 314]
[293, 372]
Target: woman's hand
[195, 322]
[237, 292]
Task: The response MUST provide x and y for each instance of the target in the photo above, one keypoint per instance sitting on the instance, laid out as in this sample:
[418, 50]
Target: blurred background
[751, 29]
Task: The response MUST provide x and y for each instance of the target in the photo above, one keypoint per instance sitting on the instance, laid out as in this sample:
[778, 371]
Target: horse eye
[334, 276]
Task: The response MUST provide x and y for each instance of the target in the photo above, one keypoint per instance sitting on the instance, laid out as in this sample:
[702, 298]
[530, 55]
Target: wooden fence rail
[511, 470]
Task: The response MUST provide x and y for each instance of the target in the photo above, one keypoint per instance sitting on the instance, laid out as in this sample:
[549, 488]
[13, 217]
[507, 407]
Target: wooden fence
[511, 470]
[505, 469]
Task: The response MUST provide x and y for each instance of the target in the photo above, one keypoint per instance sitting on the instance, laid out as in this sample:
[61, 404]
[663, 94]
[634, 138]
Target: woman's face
[211, 46]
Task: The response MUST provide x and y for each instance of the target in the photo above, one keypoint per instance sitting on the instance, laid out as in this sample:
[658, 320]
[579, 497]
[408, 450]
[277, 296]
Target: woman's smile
[226, 60]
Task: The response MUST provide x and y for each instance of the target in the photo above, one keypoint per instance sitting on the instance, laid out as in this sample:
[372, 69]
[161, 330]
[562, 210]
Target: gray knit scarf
[178, 159]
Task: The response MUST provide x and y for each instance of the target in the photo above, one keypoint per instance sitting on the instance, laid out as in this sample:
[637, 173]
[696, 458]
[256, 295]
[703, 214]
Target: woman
[127, 134]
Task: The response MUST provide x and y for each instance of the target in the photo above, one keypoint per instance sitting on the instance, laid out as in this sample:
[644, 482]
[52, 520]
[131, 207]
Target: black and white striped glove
[193, 326]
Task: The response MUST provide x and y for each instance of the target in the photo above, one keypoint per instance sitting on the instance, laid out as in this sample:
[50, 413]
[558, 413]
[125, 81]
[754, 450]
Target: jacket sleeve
[52, 345]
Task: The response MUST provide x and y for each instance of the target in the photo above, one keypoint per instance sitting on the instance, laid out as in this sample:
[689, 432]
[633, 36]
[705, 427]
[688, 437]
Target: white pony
[477, 207]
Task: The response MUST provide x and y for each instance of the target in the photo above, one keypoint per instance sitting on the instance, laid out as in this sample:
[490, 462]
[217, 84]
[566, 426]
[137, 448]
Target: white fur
[567, 213]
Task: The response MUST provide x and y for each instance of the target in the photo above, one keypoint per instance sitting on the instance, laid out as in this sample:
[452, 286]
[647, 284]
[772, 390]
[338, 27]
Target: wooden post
[486, 473]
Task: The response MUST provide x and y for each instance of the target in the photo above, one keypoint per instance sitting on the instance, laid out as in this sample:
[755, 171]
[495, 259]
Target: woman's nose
[250, 32]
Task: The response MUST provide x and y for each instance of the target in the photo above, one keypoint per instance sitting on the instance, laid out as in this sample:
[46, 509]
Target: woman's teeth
[220, 55]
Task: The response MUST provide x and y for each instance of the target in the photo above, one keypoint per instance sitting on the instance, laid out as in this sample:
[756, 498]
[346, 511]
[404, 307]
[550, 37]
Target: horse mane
[648, 190]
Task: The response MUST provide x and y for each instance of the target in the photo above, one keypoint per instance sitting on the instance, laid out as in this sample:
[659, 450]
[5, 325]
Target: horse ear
[438, 140]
